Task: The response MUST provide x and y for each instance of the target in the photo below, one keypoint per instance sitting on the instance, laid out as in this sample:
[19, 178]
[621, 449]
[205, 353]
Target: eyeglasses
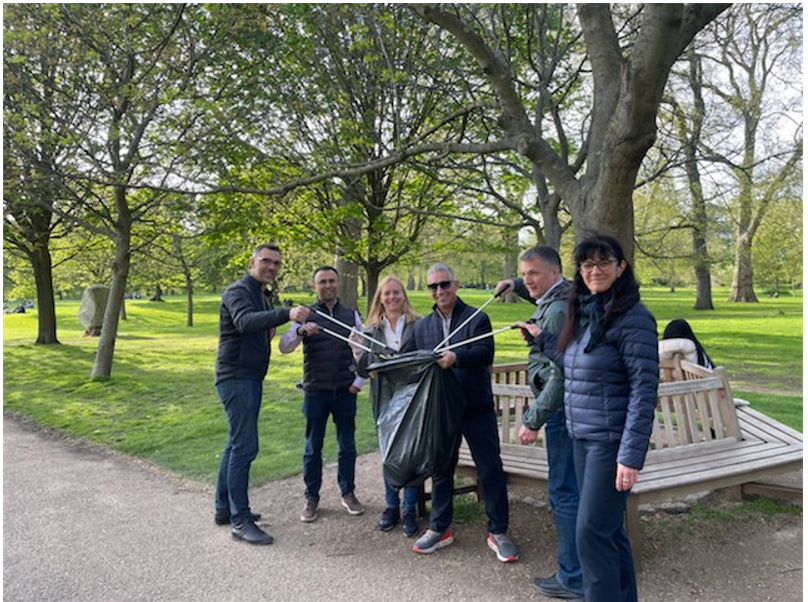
[445, 285]
[269, 261]
[602, 265]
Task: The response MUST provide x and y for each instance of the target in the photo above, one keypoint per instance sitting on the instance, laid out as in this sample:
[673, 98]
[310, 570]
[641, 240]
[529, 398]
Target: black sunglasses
[445, 284]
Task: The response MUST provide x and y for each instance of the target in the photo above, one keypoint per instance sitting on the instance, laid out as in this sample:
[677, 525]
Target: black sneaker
[389, 519]
[410, 526]
[250, 533]
[552, 588]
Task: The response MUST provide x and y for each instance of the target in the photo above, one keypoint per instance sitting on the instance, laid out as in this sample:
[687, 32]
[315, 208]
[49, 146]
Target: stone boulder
[91, 312]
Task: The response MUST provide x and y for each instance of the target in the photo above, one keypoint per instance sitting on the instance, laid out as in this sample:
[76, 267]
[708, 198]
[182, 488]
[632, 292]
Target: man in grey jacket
[247, 323]
[543, 284]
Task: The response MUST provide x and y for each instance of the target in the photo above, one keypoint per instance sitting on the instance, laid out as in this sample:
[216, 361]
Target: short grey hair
[441, 267]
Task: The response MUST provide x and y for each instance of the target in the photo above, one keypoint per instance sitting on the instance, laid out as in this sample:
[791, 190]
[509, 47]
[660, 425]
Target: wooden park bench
[702, 440]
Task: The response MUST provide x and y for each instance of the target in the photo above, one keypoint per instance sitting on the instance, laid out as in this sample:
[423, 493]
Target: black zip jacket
[246, 324]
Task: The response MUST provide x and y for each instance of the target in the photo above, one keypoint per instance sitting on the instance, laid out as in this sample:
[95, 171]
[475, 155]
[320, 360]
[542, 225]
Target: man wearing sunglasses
[471, 365]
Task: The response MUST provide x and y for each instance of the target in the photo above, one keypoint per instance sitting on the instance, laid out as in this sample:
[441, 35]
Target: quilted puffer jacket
[610, 392]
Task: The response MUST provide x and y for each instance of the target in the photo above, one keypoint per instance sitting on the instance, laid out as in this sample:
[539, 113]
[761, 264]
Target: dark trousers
[242, 403]
[603, 546]
[480, 431]
[317, 407]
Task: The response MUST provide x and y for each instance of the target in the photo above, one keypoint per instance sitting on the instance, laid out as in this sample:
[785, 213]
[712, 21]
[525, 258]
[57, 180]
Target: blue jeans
[317, 406]
[562, 493]
[242, 403]
[391, 498]
[603, 545]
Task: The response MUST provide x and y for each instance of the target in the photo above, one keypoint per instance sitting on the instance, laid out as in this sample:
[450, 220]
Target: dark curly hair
[623, 294]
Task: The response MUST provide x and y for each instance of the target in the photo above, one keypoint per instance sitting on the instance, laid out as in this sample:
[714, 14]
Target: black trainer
[410, 526]
[250, 533]
[552, 588]
[389, 519]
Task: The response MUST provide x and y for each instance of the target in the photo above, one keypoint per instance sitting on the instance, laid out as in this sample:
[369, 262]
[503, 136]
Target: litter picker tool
[479, 337]
[352, 330]
[466, 321]
[346, 339]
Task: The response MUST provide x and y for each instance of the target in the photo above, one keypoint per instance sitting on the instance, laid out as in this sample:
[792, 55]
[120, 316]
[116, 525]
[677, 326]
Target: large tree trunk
[704, 290]
[511, 263]
[550, 230]
[348, 281]
[411, 284]
[372, 276]
[43, 276]
[698, 214]
[742, 275]
[627, 90]
[102, 367]
[749, 217]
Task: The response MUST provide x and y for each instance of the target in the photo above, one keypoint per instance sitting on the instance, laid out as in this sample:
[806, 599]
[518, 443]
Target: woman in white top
[390, 321]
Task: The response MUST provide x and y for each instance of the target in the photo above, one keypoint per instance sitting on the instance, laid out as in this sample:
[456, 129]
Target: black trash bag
[418, 418]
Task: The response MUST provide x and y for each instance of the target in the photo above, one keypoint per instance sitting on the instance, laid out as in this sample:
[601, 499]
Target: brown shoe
[309, 514]
[352, 505]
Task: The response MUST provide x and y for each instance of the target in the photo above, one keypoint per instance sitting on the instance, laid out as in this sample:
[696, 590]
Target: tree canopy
[383, 136]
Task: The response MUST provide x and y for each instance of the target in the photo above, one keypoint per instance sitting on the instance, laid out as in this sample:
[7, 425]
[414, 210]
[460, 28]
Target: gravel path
[91, 525]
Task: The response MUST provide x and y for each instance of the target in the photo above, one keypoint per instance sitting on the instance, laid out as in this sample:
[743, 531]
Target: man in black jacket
[247, 324]
[471, 365]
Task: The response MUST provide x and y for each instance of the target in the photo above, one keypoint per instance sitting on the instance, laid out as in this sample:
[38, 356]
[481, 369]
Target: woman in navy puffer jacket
[608, 349]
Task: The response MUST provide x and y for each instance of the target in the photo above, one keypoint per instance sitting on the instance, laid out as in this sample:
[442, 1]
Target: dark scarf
[591, 318]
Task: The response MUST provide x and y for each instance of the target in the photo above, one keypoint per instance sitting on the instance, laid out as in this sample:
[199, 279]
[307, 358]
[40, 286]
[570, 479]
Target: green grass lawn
[161, 405]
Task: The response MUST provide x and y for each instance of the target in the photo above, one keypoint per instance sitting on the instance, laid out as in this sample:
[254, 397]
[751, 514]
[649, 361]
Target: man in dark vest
[330, 385]
[247, 323]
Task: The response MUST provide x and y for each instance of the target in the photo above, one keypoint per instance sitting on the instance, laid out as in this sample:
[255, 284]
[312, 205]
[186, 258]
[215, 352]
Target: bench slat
[764, 426]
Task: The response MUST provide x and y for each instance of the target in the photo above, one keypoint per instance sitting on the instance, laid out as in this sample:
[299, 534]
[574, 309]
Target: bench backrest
[510, 403]
[697, 406]
[670, 368]
[694, 410]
